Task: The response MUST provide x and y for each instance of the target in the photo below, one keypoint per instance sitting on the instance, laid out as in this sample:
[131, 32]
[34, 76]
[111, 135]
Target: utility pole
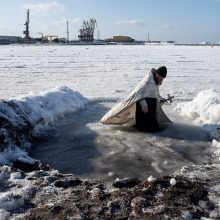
[148, 37]
[26, 32]
[67, 31]
[97, 34]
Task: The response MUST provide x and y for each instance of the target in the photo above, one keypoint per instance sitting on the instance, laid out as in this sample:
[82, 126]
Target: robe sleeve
[143, 103]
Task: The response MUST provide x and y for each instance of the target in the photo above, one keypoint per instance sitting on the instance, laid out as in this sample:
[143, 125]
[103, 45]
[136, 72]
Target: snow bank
[47, 106]
[14, 153]
[204, 110]
[21, 118]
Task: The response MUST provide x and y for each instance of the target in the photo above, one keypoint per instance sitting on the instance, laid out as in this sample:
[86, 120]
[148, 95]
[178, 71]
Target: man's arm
[144, 106]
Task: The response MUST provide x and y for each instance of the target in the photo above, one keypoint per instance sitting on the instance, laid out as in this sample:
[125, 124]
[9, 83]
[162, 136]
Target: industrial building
[122, 39]
[11, 40]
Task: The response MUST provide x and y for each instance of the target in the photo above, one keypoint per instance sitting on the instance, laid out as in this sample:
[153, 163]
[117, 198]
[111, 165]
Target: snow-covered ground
[47, 81]
[107, 71]
[81, 83]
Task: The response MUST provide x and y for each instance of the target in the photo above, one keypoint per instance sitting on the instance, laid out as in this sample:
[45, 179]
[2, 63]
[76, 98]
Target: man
[146, 114]
[142, 107]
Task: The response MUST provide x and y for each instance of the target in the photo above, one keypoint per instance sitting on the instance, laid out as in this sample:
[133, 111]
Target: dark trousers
[147, 122]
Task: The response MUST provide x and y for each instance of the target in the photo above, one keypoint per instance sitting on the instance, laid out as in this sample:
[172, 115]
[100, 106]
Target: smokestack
[67, 31]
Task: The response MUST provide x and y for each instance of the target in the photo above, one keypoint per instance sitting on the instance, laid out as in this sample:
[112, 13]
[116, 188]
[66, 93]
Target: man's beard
[158, 82]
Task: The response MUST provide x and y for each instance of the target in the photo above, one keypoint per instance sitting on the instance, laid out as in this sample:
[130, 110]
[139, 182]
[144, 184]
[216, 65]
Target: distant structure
[51, 38]
[122, 39]
[86, 33]
[67, 31]
[27, 25]
[10, 40]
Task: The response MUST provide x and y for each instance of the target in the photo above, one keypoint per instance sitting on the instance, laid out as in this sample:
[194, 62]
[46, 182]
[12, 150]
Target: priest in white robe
[142, 108]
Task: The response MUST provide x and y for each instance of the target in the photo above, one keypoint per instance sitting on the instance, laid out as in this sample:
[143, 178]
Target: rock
[126, 182]
[67, 183]
[114, 207]
[26, 167]
[139, 202]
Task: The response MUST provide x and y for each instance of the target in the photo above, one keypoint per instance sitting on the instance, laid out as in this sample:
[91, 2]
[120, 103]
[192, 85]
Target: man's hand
[145, 109]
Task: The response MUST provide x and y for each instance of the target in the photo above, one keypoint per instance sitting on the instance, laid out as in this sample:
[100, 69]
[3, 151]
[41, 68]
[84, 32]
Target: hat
[162, 71]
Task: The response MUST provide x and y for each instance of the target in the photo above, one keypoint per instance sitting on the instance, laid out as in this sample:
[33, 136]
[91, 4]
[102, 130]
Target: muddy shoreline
[47, 194]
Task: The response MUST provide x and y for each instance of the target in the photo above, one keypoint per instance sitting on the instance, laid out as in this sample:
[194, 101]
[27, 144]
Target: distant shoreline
[109, 44]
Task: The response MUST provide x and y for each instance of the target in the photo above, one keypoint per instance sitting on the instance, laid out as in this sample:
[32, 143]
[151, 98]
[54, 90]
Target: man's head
[160, 74]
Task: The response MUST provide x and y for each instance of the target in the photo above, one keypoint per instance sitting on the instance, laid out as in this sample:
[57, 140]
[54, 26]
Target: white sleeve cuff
[143, 103]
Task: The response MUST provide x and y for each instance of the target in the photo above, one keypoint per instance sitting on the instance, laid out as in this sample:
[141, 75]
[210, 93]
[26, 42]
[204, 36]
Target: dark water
[79, 144]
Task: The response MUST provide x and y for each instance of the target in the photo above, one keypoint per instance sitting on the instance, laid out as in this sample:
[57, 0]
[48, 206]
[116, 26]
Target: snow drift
[21, 119]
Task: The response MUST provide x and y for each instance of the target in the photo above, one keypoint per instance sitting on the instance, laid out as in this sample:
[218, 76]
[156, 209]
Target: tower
[26, 32]
[67, 31]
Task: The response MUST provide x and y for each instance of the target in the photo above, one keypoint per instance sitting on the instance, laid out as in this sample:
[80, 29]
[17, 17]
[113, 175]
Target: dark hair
[162, 71]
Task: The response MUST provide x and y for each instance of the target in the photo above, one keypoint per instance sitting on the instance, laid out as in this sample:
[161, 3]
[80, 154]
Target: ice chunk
[173, 182]
[151, 178]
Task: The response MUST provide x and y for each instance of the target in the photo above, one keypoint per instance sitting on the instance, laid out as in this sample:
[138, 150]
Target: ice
[216, 147]
[151, 178]
[9, 155]
[204, 110]
[173, 182]
[4, 215]
[187, 216]
[101, 70]
[215, 143]
[110, 174]
[10, 201]
[49, 105]
[80, 84]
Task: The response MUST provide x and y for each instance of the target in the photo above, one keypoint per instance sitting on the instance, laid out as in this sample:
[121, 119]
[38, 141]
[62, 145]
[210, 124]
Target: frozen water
[104, 74]
[107, 71]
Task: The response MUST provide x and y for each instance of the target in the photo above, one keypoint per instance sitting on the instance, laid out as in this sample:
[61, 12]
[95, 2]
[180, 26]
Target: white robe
[124, 112]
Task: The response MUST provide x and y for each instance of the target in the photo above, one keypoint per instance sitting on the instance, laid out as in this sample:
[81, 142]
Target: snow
[15, 153]
[204, 110]
[216, 147]
[4, 215]
[10, 201]
[151, 178]
[57, 80]
[50, 82]
[110, 174]
[49, 105]
[173, 182]
[40, 109]
[108, 73]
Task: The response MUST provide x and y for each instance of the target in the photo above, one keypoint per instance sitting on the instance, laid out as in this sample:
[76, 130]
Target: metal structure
[67, 31]
[27, 32]
[87, 30]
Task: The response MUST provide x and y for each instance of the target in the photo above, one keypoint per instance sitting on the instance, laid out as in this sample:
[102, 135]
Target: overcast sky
[178, 20]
